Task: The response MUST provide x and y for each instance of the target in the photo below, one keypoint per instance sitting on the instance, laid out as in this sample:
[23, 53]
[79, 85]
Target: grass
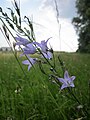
[34, 97]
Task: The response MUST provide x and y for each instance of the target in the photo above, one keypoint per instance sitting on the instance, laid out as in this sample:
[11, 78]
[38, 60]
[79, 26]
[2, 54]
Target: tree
[82, 25]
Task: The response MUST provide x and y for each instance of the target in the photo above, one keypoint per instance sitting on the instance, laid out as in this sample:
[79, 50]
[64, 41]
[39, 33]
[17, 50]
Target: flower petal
[47, 55]
[61, 80]
[72, 85]
[38, 44]
[66, 75]
[26, 62]
[64, 86]
[29, 63]
[73, 78]
[42, 45]
[22, 41]
[29, 67]
[31, 47]
[28, 51]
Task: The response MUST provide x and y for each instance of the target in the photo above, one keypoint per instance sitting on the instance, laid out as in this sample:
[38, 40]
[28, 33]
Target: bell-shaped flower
[21, 41]
[29, 62]
[67, 80]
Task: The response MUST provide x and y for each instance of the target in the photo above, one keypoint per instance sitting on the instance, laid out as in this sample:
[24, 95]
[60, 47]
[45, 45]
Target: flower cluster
[29, 48]
[35, 47]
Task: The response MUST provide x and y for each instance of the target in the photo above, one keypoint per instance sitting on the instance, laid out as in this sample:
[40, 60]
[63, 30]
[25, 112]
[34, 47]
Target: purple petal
[49, 55]
[66, 75]
[64, 86]
[61, 80]
[43, 42]
[72, 85]
[30, 45]
[22, 41]
[19, 43]
[26, 62]
[73, 78]
[29, 67]
[29, 49]
[38, 44]
[44, 55]
[29, 63]
[42, 45]
[69, 80]
[32, 60]
[28, 52]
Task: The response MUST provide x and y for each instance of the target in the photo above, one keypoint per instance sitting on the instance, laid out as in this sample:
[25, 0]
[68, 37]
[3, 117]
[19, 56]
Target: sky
[46, 25]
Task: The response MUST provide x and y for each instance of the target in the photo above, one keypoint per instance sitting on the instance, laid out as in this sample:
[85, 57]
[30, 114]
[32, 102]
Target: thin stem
[73, 96]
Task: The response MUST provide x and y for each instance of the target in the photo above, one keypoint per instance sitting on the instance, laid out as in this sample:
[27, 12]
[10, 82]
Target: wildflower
[21, 41]
[67, 81]
[29, 62]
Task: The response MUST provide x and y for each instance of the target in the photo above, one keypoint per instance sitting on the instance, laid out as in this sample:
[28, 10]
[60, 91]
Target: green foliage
[34, 97]
[82, 25]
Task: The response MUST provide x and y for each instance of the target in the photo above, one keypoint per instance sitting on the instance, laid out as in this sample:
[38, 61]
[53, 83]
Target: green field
[34, 97]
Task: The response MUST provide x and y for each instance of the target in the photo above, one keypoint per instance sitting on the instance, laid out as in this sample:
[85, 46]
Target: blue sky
[45, 22]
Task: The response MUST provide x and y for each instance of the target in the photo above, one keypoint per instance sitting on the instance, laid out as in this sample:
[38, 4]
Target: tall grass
[34, 97]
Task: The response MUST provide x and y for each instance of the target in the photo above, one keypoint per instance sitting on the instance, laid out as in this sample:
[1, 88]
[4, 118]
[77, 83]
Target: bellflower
[21, 41]
[29, 62]
[67, 81]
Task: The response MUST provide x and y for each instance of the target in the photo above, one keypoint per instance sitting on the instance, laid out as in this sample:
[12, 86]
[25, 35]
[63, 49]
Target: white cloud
[66, 8]
[47, 18]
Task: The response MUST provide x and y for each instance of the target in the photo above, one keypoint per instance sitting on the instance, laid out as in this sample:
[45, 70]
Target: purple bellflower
[29, 62]
[21, 41]
[67, 81]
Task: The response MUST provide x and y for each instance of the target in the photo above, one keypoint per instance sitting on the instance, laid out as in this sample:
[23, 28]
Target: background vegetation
[82, 25]
[34, 97]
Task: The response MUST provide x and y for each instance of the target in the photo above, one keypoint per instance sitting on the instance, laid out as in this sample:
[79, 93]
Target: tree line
[82, 25]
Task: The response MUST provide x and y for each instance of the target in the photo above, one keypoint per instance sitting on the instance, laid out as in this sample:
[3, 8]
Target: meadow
[32, 96]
